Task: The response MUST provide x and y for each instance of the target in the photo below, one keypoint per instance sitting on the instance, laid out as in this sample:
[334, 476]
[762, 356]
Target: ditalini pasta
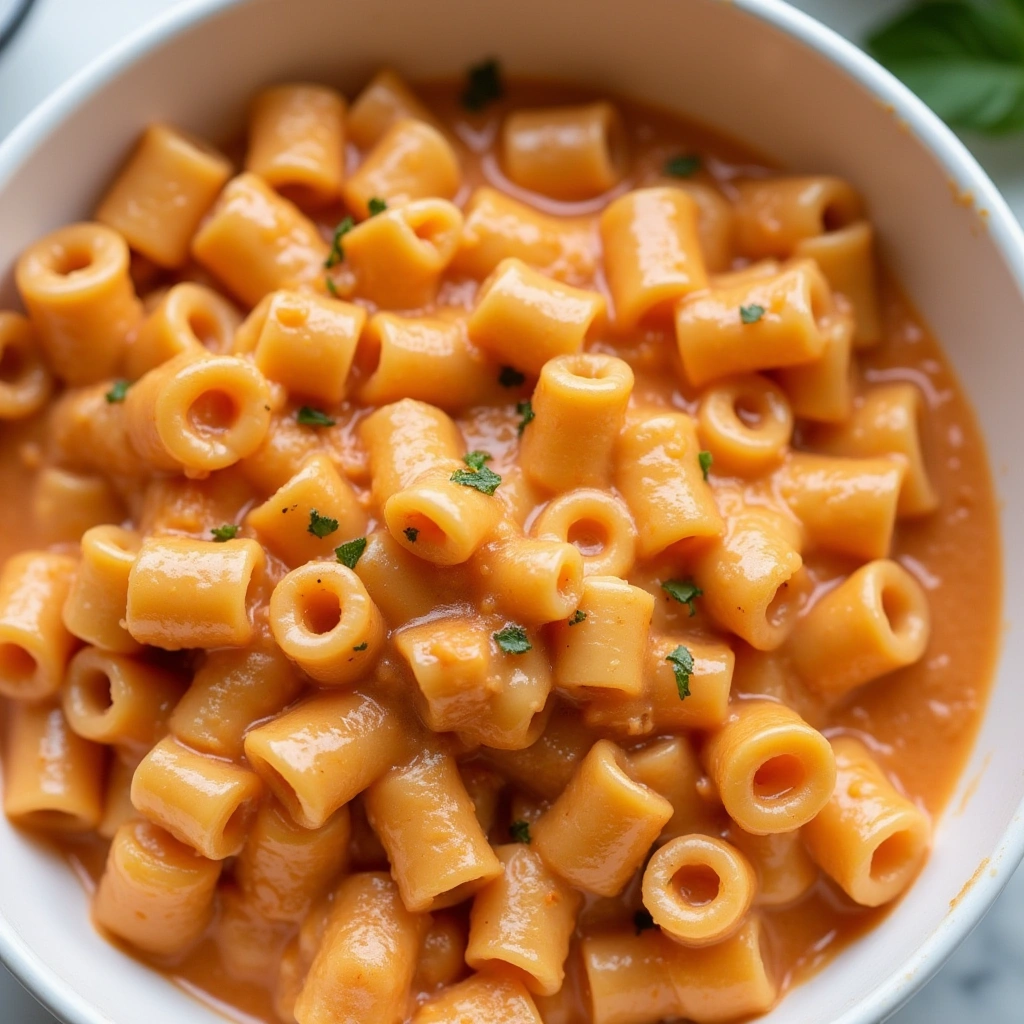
[478, 563]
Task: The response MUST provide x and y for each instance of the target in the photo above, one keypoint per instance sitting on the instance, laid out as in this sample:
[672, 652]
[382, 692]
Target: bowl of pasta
[502, 522]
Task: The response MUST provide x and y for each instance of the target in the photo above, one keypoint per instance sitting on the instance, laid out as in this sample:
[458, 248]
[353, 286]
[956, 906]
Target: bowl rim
[966, 174]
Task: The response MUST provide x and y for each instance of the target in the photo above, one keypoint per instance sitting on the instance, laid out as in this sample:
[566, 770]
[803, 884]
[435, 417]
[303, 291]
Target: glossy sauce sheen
[919, 722]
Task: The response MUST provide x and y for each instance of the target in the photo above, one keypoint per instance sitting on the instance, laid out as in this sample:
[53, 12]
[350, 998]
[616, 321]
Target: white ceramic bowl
[759, 71]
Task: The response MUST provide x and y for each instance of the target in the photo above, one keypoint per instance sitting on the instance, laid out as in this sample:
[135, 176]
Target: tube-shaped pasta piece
[757, 325]
[411, 160]
[189, 318]
[698, 889]
[714, 222]
[524, 318]
[442, 517]
[324, 620]
[535, 581]
[823, 390]
[652, 253]
[162, 192]
[304, 342]
[845, 505]
[658, 473]
[155, 893]
[80, 299]
[579, 408]
[25, 381]
[889, 420]
[111, 699]
[297, 141]
[598, 523]
[773, 215]
[247, 943]
[846, 258]
[670, 767]
[97, 600]
[784, 869]
[256, 242]
[442, 957]
[35, 645]
[746, 423]
[874, 622]
[869, 837]
[89, 433]
[397, 257]
[232, 689]
[202, 801]
[498, 226]
[567, 153]
[426, 821]
[365, 964]
[319, 755]
[746, 578]
[384, 100]
[405, 440]
[193, 593]
[774, 772]
[482, 999]
[598, 831]
[53, 779]
[524, 919]
[293, 522]
[66, 504]
[198, 413]
[284, 868]
[604, 650]
[428, 359]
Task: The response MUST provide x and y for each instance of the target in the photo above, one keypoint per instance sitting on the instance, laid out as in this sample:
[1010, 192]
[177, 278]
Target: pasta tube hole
[892, 856]
[426, 530]
[751, 408]
[779, 777]
[697, 884]
[321, 612]
[12, 364]
[898, 610]
[70, 259]
[589, 536]
[213, 412]
[204, 328]
[96, 692]
[17, 666]
[238, 824]
[782, 606]
[291, 316]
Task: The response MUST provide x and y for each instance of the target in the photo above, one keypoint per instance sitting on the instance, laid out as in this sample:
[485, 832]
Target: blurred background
[42, 43]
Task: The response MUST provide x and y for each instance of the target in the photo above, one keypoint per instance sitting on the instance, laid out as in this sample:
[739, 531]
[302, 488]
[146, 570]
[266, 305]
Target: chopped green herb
[351, 551]
[683, 591]
[642, 920]
[321, 526]
[476, 460]
[525, 409]
[376, 205]
[361, 647]
[478, 475]
[682, 665]
[705, 459]
[577, 617]
[520, 832]
[337, 253]
[683, 166]
[331, 286]
[510, 377]
[310, 417]
[752, 313]
[118, 391]
[225, 532]
[411, 533]
[483, 85]
[513, 640]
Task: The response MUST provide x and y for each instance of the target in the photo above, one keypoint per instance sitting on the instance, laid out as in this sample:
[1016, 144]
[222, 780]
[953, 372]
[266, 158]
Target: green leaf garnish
[310, 417]
[351, 551]
[682, 166]
[752, 313]
[705, 459]
[520, 832]
[331, 286]
[225, 532]
[337, 253]
[476, 460]
[321, 526]
[118, 391]
[682, 665]
[478, 476]
[513, 640]
[362, 646]
[411, 533]
[376, 205]
[525, 409]
[683, 591]
[577, 617]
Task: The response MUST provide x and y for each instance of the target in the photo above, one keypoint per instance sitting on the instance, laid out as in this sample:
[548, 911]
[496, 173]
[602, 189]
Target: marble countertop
[984, 981]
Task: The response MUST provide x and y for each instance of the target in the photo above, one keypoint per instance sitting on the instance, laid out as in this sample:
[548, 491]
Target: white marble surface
[984, 981]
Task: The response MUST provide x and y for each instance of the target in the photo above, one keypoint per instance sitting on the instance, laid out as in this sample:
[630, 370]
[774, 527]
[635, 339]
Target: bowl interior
[725, 64]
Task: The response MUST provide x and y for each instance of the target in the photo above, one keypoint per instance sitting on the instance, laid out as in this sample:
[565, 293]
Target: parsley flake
[510, 377]
[321, 526]
[685, 165]
[683, 591]
[476, 460]
[362, 646]
[118, 391]
[681, 661]
[642, 920]
[752, 313]
[337, 253]
[411, 533]
[331, 286]
[705, 459]
[483, 85]
[310, 417]
[513, 640]
[225, 532]
[525, 409]
[478, 476]
[376, 205]
[351, 551]
[520, 832]
[577, 617]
